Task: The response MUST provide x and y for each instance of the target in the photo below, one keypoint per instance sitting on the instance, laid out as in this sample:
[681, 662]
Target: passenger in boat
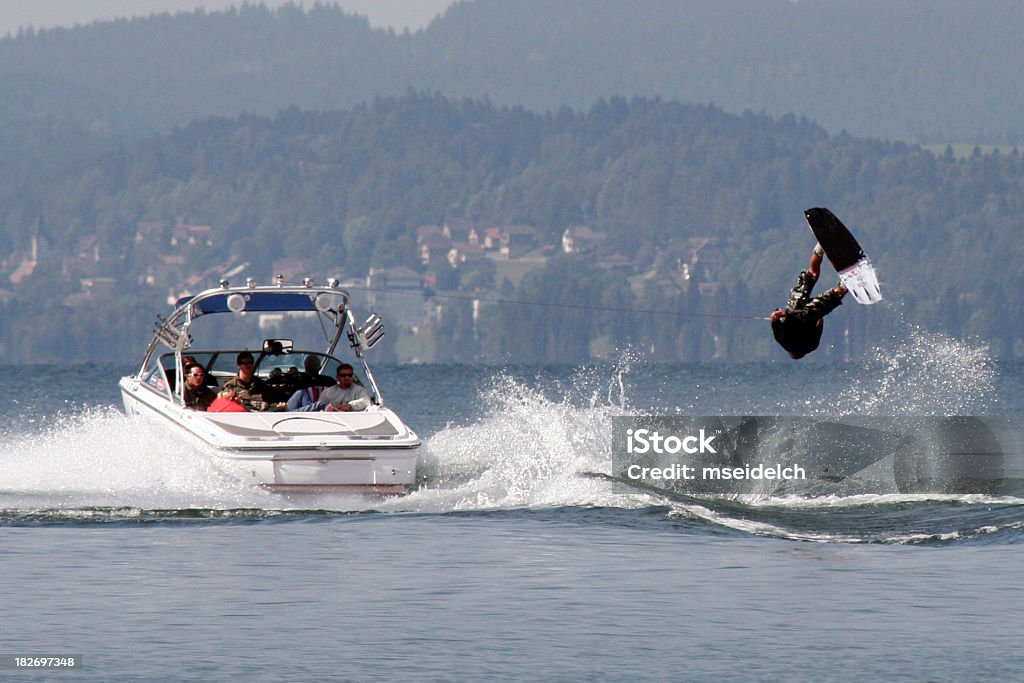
[198, 396]
[248, 388]
[311, 384]
[346, 395]
[226, 402]
[305, 400]
[798, 326]
[278, 387]
[311, 375]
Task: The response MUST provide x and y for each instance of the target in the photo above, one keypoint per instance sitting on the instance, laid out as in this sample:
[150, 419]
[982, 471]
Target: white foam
[100, 458]
[530, 450]
[925, 373]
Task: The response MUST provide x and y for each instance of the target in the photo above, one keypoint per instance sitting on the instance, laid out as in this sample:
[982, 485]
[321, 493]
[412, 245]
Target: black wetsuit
[799, 331]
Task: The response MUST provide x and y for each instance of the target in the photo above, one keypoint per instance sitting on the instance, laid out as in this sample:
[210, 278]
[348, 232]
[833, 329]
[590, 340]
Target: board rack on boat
[366, 451]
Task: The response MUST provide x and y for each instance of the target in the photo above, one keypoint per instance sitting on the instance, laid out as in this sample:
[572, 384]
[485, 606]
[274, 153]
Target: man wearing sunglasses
[346, 395]
[248, 388]
[312, 384]
[198, 396]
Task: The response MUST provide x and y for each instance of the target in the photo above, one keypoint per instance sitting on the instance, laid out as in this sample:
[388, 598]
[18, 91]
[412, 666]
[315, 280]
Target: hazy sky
[398, 14]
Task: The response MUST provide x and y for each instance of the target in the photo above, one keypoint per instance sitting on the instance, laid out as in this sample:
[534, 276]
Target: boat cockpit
[278, 364]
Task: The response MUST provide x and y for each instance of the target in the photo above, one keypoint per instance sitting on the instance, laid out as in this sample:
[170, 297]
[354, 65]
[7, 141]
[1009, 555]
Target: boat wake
[528, 451]
[531, 449]
[82, 464]
[921, 519]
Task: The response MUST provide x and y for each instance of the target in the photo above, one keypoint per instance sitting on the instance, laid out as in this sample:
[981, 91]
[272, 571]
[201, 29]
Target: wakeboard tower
[845, 253]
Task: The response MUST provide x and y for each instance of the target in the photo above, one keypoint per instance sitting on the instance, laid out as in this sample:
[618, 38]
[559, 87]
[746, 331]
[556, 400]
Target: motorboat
[365, 451]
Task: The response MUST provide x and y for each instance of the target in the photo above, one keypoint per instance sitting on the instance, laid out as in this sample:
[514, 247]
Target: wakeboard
[845, 253]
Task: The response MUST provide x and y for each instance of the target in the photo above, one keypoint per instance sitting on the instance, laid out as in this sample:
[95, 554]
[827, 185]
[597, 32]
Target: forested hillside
[918, 70]
[344, 192]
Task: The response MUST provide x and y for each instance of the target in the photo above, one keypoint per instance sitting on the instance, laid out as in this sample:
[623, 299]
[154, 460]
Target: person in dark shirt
[248, 388]
[198, 396]
[798, 326]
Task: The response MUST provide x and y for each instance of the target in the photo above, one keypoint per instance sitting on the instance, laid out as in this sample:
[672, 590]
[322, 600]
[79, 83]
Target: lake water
[512, 560]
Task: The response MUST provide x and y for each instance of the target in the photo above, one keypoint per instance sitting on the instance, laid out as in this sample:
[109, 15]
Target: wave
[881, 519]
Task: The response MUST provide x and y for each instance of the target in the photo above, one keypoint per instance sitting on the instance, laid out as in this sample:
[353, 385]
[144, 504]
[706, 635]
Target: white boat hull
[370, 451]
